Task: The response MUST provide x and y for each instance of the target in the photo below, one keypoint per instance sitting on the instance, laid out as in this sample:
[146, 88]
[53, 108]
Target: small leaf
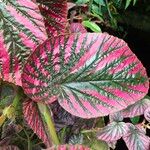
[113, 131]
[77, 28]
[135, 120]
[69, 147]
[127, 3]
[136, 139]
[147, 114]
[93, 26]
[76, 139]
[90, 74]
[137, 108]
[34, 120]
[116, 117]
[134, 2]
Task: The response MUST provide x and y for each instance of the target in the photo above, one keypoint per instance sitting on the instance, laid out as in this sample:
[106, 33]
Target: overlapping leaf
[61, 117]
[113, 131]
[136, 139]
[69, 147]
[115, 117]
[136, 109]
[90, 74]
[147, 114]
[55, 15]
[34, 120]
[21, 30]
[77, 28]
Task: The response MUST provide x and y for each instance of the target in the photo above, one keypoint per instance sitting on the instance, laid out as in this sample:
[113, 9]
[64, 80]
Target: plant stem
[49, 122]
[28, 139]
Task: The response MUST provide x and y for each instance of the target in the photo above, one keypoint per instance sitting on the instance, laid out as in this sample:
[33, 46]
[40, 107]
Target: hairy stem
[44, 110]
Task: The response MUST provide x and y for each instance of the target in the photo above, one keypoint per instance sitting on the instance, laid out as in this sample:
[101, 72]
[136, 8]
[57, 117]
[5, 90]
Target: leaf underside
[34, 120]
[113, 131]
[147, 114]
[69, 147]
[136, 139]
[116, 117]
[137, 109]
[90, 74]
[21, 30]
[55, 15]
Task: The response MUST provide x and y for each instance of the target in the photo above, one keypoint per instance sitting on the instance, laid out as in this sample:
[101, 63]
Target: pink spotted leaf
[90, 74]
[77, 28]
[55, 15]
[69, 147]
[113, 131]
[21, 30]
[137, 108]
[136, 139]
[34, 120]
[147, 114]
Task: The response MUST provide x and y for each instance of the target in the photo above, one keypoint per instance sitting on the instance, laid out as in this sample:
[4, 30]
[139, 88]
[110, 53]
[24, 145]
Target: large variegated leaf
[113, 131]
[21, 30]
[136, 139]
[55, 15]
[90, 74]
[69, 147]
[137, 109]
[34, 120]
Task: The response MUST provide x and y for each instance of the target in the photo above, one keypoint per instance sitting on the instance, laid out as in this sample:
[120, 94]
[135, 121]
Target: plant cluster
[61, 81]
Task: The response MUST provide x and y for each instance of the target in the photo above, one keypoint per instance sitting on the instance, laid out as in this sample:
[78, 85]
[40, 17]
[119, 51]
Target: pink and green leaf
[136, 139]
[147, 114]
[69, 147]
[113, 131]
[137, 108]
[22, 29]
[35, 121]
[55, 15]
[89, 74]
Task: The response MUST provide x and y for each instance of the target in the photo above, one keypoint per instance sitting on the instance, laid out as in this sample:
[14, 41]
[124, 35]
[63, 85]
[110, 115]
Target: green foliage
[135, 120]
[93, 26]
[107, 12]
